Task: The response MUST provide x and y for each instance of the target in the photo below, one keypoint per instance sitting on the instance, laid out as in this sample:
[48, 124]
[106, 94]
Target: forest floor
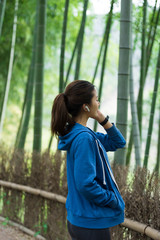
[8, 232]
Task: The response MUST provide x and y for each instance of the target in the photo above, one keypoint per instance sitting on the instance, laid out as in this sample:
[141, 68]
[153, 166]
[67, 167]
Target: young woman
[94, 203]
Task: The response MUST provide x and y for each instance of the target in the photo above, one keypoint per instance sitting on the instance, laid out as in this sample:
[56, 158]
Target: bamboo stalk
[136, 133]
[143, 67]
[123, 77]
[151, 29]
[39, 74]
[9, 76]
[148, 56]
[73, 54]
[158, 148]
[106, 43]
[152, 112]
[150, 47]
[62, 56]
[80, 42]
[22, 228]
[128, 223]
[2, 13]
[26, 110]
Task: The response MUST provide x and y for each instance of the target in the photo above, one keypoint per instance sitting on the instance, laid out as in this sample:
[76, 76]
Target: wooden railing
[128, 223]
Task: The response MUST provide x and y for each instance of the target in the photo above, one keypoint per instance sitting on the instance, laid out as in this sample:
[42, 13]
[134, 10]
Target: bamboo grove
[68, 20]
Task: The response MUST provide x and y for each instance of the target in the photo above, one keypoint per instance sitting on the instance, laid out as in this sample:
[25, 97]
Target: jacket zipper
[104, 177]
[111, 174]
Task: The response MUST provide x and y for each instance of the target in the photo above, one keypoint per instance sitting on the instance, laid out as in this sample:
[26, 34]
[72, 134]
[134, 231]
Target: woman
[94, 203]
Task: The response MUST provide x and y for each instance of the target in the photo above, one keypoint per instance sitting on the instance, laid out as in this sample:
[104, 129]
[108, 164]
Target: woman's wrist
[108, 125]
[101, 118]
[105, 122]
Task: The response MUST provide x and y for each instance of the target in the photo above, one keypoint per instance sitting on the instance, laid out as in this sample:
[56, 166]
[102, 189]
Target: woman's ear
[86, 108]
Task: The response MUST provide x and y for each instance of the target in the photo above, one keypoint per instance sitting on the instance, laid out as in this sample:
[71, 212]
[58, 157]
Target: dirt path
[12, 233]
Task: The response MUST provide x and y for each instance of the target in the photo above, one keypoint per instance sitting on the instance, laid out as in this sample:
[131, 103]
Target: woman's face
[94, 104]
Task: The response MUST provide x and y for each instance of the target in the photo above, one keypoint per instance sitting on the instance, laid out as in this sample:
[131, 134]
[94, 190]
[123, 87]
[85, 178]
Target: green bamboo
[72, 57]
[148, 57]
[80, 42]
[149, 50]
[151, 119]
[9, 75]
[151, 26]
[143, 66]
[39, 72]
[157, 167]
[23, 111]
[129, 149]
[100, 53]
[123, 76]
[62, 56]
[135, 125]
[98, 59]
[107, 31]
[24, 122]
[2, 13]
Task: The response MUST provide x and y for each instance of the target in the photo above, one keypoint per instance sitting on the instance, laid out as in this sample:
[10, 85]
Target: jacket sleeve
[85, 173]
[112, 140]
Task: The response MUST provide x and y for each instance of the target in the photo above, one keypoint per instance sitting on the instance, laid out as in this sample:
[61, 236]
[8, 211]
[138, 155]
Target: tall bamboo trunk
[72, 57]
[157, 167]
[135, 124]
[9, 69]
[143, 66]
[24, 122]
[151, 29]
[80, 42]
[39, 72]
[149, 49]
[62, 56]
[107, 31]
[2, 12]
[151, 119]
[123, 76]
[152, 40]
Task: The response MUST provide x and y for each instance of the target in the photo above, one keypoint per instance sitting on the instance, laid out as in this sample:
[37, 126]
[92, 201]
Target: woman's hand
[99, 116]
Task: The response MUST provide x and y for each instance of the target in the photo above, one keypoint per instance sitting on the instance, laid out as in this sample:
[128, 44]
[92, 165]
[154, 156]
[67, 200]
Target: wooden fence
[128, 223]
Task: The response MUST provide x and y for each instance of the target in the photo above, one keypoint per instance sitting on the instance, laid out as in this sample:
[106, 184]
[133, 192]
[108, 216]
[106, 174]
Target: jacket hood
[66, 140]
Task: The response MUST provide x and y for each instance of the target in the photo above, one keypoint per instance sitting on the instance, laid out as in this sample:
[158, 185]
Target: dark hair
[68, 104]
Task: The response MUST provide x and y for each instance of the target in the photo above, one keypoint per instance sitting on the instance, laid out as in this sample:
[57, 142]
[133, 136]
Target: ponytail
[67, 105]
[61, 120]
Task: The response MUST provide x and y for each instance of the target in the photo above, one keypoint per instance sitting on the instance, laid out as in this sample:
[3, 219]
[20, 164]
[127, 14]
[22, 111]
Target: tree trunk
[135, 125]
[39, 72]
[24, 123]
[80, 42]
[2, 12]
[62, 84]
[62, 57]
[10, 68]
[148, 57]
[151, 119]
[157, 167]
[107, 31]
[143, 66]
[123, 76]
[72, 57]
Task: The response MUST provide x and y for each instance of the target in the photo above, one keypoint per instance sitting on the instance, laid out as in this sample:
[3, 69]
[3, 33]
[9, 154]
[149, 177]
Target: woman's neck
[81, 120]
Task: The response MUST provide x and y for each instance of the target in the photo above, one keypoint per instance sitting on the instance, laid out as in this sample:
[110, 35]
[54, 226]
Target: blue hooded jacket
[93, 199]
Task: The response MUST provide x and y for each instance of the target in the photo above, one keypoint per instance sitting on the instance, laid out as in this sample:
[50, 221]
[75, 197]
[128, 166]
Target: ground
[12, 233]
